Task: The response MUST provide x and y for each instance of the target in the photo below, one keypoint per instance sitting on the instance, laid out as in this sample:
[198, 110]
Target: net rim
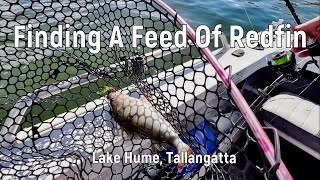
[254, 124]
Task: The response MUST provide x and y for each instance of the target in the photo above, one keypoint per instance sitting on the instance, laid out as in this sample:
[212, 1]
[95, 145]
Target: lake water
[196, 12]
[231, 12]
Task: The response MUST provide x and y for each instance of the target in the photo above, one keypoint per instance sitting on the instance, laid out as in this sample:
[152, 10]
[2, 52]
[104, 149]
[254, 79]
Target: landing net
[52, 119]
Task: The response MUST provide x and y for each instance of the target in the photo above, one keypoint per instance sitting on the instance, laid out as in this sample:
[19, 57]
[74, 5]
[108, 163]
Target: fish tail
[181, 151]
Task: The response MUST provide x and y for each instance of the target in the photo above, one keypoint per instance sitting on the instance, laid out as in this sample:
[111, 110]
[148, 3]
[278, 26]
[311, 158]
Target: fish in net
[53, 119]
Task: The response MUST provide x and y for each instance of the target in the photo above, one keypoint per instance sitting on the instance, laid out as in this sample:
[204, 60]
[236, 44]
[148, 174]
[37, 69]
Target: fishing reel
[313, 47]
[284, 63]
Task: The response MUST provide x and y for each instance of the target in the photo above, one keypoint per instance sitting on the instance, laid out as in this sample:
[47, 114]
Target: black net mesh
[52, 118]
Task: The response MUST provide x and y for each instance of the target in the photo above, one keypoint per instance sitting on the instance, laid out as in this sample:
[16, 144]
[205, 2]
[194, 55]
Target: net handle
[254, 124]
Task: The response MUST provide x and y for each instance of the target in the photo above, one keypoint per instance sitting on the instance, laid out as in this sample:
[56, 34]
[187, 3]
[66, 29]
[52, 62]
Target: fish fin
[185, 148]
[138, 135]
[122, 132]
[160, 146]
[148, 94]
[128, 134]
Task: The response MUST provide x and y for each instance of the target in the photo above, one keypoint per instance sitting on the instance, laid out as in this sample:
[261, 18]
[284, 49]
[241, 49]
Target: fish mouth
[106, 89]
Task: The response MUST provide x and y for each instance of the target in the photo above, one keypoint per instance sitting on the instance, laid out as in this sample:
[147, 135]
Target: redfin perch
[139, 114]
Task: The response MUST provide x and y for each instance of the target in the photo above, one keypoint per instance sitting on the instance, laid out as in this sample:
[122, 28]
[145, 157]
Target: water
[231, 12]
[203, 12]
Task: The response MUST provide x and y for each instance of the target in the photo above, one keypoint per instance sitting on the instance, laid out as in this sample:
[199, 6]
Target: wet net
[52, 119]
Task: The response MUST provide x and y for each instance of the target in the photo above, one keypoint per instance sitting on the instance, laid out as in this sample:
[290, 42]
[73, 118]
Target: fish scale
[139, 113]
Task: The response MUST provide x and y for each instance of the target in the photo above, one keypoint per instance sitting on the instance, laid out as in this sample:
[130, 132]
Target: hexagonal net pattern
[53, 119]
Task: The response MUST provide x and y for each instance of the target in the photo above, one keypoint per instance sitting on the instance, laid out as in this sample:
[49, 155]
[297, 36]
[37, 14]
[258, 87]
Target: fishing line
[245, 10]
[314, 80]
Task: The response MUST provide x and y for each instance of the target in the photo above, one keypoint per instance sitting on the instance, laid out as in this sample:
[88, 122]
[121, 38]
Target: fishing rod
[313, 45]
[252, 121]
[293, 11]
[285, 64]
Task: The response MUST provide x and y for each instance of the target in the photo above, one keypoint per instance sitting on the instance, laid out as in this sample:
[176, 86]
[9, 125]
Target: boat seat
[296, 118]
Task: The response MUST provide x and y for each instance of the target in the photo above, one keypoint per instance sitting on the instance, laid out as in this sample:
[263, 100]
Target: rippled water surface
[231, 12]
[196, 12]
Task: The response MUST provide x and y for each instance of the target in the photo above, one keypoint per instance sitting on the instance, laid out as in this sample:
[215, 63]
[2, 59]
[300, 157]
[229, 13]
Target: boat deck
[73, 134]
